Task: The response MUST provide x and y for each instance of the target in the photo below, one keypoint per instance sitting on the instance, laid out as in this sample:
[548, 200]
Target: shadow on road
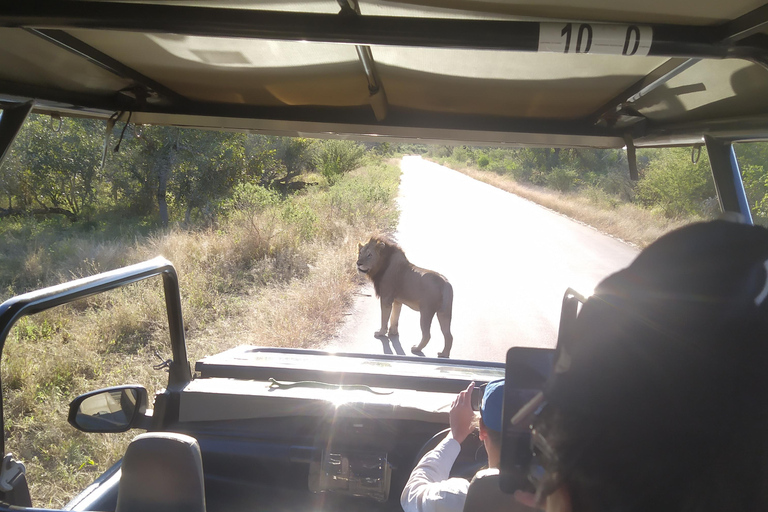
[388, 344]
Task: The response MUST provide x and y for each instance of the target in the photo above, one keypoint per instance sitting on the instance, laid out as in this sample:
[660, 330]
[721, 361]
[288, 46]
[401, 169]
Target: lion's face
[368, 255]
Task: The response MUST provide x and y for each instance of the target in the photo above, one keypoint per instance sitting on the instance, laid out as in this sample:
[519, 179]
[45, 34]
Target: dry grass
[279, 276]
[301, 313]
[625, 221]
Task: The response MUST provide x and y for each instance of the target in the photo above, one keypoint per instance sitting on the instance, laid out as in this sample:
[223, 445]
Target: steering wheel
[471, 459]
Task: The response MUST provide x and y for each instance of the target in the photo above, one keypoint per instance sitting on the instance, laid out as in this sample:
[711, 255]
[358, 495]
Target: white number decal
[595, 38]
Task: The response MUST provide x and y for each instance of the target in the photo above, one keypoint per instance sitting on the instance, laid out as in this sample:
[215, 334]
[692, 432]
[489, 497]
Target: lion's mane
[388, 253]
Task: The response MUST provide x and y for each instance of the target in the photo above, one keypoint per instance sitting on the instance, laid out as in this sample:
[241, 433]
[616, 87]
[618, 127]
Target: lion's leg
[386, 309]
[395, 318]
[426, 323]
[445, 326]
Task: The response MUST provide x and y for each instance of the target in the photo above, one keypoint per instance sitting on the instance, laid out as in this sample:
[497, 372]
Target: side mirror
[115, 409]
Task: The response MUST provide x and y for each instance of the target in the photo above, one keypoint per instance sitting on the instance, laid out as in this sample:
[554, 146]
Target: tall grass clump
[273, 269]
[337, 157]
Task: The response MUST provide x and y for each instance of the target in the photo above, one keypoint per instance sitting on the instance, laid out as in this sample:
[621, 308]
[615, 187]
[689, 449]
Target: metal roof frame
[721, 41]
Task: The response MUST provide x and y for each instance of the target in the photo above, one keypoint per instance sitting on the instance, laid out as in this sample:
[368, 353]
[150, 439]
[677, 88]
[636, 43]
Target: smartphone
[477, 396]
[527, 372]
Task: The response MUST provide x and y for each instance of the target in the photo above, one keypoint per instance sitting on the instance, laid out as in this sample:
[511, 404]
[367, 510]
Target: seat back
[484, 495]
[162, 472]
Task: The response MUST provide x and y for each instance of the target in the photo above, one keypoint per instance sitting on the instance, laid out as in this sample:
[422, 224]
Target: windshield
[260, 227]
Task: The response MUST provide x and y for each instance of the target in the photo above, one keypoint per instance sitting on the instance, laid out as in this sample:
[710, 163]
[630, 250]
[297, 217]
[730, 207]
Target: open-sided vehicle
[289, 429]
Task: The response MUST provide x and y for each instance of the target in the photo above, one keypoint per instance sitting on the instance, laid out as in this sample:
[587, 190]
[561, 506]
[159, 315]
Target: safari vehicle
[581, 73]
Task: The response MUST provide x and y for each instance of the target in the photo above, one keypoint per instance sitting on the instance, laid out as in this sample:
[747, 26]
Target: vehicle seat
[162, 472]
[484, 495]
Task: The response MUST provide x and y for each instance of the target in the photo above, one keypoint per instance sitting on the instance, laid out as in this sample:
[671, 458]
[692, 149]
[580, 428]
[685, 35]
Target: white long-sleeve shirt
[429, 489]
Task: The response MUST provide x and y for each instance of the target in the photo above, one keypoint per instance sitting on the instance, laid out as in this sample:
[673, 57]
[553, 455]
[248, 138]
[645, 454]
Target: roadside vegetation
[593, 186]
[261, 230]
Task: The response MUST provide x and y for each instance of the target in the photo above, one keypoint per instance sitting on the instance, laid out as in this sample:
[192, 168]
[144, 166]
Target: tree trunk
[10, 212]
[72, 216]
[162, 204]
[164, 173]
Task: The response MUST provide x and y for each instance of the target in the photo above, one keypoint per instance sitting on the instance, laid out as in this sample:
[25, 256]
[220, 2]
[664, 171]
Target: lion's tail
[447, 305]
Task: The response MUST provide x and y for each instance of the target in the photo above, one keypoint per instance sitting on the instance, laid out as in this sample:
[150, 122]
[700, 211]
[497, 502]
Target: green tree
[11, 182]
[208, 167]
[753, 160]
[128, 171]
[142, 168]
[756, 186]
[54, 171]
[382, 148]
[276, 161]
[189, 169]
[675, 185]
[562, 179]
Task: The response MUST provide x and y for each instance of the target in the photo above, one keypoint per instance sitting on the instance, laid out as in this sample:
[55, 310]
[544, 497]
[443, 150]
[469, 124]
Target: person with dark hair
[662, 404]
[429, 488]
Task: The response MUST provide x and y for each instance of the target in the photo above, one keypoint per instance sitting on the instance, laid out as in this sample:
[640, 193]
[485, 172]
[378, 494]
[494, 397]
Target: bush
[337, 157]
[674, 185]
[562, 179]
[357, 197]
[411, 149]
[383, 149]
[440, 151]
[483, 161]
[460, 154]
[599, 197]
[522, 174]
[756, 186]
[302, 219]
[250, 198]
[617, 183]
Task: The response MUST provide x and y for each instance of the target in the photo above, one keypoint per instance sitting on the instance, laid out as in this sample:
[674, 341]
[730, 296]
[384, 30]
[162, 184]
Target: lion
[397, 281]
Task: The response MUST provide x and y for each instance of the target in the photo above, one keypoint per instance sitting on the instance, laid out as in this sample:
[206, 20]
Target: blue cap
[491, 406]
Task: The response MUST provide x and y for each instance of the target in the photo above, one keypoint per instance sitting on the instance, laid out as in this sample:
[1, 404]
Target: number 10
[584, 29]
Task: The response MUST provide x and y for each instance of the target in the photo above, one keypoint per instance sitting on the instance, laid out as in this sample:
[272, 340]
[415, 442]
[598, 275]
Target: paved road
[508, 259]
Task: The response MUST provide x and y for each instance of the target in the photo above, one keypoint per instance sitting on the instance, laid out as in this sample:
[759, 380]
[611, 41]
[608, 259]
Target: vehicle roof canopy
[555, 73]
